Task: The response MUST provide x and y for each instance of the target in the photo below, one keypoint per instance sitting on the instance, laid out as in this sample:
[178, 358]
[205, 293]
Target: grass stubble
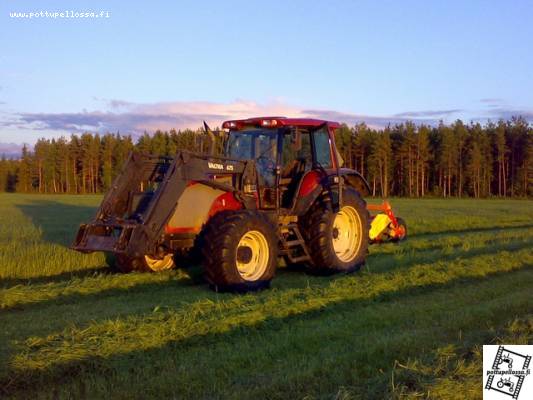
[410, 325]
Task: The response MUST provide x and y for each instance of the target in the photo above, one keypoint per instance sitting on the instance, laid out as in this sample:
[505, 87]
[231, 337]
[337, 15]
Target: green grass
[409, 325]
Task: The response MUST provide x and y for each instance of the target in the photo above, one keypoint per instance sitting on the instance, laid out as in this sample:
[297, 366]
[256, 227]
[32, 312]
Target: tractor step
[293, 244]
[296, 260]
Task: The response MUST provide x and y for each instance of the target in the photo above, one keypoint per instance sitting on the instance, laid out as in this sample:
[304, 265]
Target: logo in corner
[506, 371]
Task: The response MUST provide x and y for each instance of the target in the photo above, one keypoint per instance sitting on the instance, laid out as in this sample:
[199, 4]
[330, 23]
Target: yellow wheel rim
[159, 264]
[347, 234]
[252, 255]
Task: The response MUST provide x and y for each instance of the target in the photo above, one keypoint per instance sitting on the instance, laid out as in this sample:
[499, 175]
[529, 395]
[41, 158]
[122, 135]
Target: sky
[163, 64]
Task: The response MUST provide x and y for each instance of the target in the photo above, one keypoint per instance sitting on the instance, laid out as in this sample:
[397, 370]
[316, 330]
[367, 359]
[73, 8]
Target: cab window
[322, 148]
[296, 153]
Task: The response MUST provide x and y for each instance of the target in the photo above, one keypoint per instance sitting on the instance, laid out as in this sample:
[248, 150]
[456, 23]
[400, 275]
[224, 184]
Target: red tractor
[279, 191]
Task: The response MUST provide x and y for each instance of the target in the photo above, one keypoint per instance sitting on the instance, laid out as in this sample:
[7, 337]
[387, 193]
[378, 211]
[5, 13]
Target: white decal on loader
[215, 165]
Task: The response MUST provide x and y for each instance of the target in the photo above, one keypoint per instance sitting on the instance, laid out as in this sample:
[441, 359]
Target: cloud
[119, 103]
[371, 120]
[428, 113]
[508, 113]
[491, 100]
[105, 121]
[10, 150]
[135, 118]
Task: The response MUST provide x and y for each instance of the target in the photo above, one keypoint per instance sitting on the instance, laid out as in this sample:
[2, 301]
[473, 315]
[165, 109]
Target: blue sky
[174, 63]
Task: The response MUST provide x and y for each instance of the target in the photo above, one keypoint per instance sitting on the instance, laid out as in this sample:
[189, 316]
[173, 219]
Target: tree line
[406, 159]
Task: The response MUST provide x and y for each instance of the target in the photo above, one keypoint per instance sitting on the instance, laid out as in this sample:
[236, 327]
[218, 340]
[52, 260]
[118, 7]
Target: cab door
[322, 148]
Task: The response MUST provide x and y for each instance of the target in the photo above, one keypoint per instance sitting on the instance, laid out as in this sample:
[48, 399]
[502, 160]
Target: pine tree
[362, 143]
[24, 179]
[460, 133]
[343, 140]
[474, 164]
[448, 158]
[108, 146]
[3, 173]
[422, 159]
[501, 151]
[381, 161]
[408, 150]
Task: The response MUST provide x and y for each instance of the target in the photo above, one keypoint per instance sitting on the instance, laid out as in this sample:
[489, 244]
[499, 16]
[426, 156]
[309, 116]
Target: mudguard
[356, 180]
[313, 184]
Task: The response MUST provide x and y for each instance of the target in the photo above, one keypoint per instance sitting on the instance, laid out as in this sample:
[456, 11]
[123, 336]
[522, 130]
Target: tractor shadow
[58, 222]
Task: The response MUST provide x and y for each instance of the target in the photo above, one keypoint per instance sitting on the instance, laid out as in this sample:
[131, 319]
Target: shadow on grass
[384, 262]
[6, 283]
[57, 221]
[181, 288]
[494, 229]
[119, 366]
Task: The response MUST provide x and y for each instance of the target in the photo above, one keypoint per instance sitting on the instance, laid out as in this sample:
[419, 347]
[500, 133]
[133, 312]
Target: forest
[408, 160]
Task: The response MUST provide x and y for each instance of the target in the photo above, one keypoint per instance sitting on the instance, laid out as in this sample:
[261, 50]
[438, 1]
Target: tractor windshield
[255, 144]
[251, 144]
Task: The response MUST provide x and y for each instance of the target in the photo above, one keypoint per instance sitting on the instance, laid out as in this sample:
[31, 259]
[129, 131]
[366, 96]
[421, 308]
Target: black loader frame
[131, 220]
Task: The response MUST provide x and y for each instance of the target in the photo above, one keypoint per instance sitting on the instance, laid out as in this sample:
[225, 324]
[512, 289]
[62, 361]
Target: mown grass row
[417, 250]
[452, 372]
[35, 232]
[317, 353]
[139, 333]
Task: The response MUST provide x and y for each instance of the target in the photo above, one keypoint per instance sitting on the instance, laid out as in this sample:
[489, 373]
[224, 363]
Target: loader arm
[144, 196]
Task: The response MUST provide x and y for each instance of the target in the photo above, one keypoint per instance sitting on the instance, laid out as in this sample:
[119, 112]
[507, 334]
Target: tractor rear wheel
[143, 264]
[240, 251]
[337, 242]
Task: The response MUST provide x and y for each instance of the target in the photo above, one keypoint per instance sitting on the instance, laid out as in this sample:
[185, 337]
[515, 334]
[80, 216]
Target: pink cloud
[135, 118]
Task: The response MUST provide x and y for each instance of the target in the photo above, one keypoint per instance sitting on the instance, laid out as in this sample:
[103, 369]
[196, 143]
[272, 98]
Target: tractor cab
[291, 155]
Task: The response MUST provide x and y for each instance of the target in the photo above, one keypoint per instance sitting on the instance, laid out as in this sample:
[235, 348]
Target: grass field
[409, 325]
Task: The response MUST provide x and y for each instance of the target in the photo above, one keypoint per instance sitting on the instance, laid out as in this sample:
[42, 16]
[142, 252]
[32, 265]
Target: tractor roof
[276, 122]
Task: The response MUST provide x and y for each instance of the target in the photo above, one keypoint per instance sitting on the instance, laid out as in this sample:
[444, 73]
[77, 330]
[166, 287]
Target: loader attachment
[143, 197]
[134, 211]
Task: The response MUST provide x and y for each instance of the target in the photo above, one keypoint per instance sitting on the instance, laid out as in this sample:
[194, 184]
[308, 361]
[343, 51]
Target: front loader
[279, 191]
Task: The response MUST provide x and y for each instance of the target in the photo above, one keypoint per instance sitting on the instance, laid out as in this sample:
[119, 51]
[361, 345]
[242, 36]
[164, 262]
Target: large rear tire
[337, 242]
[239, 251]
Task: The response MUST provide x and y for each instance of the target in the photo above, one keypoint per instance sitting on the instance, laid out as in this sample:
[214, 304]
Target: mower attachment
[385, 226]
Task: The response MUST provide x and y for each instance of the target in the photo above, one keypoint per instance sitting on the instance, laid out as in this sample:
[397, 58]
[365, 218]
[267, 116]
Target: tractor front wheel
[143, 264]
[240, 251]
[337, 242]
